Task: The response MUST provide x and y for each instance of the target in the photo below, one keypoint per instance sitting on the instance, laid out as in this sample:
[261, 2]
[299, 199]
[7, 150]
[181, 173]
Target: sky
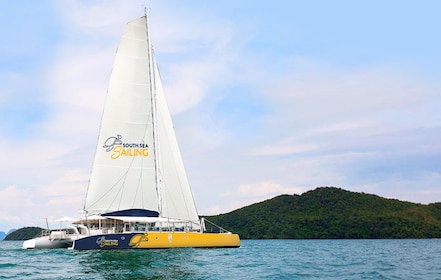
[267, 98]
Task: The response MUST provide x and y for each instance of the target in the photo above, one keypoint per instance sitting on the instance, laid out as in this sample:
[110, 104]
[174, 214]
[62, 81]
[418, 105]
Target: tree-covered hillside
[24, 233]
[329, 213]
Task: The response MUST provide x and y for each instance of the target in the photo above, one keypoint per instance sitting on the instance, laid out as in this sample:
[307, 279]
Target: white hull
[56, 239]
[45, 243]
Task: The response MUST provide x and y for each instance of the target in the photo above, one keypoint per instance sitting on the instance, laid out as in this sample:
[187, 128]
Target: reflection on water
[138, 264]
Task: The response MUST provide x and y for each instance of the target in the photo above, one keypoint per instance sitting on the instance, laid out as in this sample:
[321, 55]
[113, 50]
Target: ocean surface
[255, 259]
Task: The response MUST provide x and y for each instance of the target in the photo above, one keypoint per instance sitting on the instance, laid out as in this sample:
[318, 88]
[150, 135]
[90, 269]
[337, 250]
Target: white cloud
[12, 200]
[99, 17]
[329, 97]
[32, 204]
[251, 193]
[191, 82]
[340, 127]
[279, 150]
[421, 189]
[262, 189]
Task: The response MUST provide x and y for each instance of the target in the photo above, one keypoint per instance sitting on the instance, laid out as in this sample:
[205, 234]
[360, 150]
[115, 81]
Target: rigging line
[107, 192]
[122, 178]
[154, 112]
[139, 187]
[119, 191]
[140, 181]
[123, 185]
[186, 203]
[95, 154]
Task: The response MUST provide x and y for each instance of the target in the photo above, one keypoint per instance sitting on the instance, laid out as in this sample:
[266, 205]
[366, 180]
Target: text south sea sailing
[118, 148]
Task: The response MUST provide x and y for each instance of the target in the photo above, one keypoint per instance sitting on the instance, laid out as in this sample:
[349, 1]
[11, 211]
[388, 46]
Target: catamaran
[139, 195]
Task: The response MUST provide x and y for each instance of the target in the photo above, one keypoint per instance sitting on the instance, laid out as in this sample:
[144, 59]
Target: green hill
[333, 213]
[24, 233]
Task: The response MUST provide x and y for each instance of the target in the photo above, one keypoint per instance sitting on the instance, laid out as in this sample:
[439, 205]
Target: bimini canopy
[132, 213]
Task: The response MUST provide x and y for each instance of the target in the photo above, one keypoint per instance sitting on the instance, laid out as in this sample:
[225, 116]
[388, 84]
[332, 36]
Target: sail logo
[117, 148]
[103, 242]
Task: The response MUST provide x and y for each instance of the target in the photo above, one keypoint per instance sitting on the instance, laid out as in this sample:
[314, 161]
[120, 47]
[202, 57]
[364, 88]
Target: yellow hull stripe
[152, 240]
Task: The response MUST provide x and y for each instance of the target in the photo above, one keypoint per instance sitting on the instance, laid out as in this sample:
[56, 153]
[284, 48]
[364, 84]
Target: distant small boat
[138, 194]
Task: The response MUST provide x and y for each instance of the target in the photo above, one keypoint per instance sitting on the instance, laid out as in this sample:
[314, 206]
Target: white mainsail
[125, 173]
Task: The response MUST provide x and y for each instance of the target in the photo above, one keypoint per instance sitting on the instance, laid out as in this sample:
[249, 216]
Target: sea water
[255, 259]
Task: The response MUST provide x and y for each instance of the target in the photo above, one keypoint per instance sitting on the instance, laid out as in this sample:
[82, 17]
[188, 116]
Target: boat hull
[45, 243]
[157, 240]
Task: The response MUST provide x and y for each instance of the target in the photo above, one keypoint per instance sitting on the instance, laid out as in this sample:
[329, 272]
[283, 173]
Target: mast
[152, 86]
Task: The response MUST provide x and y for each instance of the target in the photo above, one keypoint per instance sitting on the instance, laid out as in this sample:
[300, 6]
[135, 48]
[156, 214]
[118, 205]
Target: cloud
[30, 205]
[423, 188]
[192, 78]
[340, 127]
[192, 81]
[251, 193]
[279, 150]
[12, 200]
[102, 18]
[327, 97]
[262, 189]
